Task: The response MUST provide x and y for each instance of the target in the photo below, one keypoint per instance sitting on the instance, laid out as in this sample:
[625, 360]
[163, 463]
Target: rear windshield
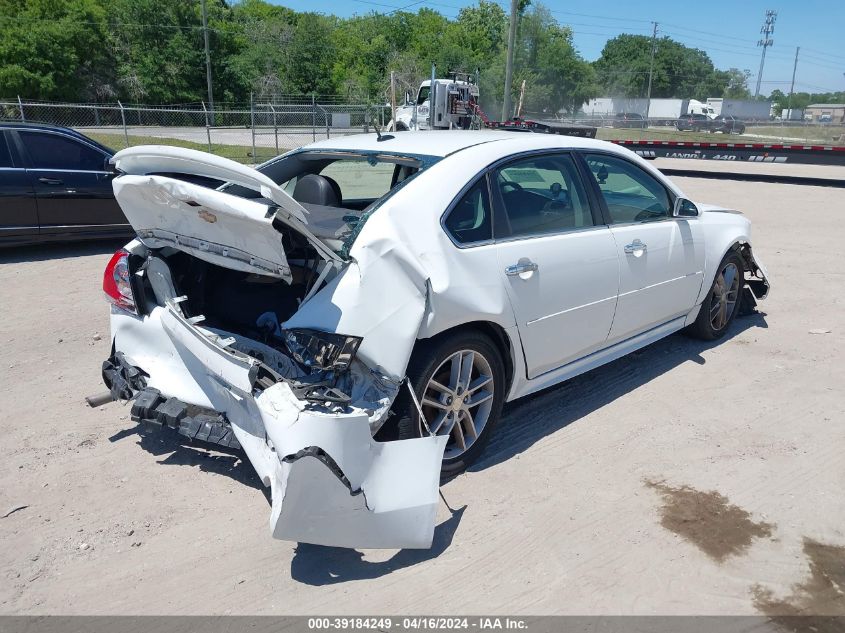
[339, 189]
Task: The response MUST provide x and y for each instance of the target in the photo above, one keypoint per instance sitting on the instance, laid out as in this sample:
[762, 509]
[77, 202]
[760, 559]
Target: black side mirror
[684, 208]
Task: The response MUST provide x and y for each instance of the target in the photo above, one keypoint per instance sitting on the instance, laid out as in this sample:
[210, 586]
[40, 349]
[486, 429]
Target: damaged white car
[353, 314]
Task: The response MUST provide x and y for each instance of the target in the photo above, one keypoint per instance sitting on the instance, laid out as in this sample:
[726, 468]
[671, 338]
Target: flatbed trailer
[547, 126]
[738, 152]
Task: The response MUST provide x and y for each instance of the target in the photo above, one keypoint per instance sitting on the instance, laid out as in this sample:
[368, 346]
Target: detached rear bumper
[331, 483]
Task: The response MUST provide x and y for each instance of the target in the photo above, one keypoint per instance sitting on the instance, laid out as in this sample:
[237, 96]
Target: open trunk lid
[212, 225]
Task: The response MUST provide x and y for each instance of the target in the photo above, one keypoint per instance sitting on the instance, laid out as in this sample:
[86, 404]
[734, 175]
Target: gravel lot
[685, 479]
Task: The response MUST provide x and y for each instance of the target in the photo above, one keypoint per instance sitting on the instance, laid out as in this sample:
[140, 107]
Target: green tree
[555, 75]
[261, 35]
[679, 71]
[312, 54]
[736, 83]
[159, 48]
[53, 49]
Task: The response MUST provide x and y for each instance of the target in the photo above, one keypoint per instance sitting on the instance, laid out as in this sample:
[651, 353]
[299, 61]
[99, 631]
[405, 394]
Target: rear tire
[462, 398]
[722, 303]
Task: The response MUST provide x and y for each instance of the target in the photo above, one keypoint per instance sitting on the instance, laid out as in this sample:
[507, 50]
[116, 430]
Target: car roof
[23, 125]
[442, 143]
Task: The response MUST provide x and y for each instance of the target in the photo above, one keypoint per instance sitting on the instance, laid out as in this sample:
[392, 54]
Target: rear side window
[54, 151]
[470, 220]
[541, 195]
[5, 154]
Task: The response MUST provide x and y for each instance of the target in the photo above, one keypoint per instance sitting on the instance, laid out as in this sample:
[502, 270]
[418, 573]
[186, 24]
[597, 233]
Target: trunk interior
[250, 308]
[245, 304]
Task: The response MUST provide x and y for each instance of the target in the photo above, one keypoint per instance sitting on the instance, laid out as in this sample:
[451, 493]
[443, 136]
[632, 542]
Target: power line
[812, 50]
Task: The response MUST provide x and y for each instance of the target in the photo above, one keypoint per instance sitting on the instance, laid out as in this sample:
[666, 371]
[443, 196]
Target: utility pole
[507, 107]
[393, 99]
[792, 85]
[651, 69]
[767, 29]
[207, 57]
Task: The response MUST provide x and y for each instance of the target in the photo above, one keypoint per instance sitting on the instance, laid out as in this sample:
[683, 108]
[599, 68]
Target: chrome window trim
[529, 236]
[68, 171]
[669, 193]
[485, 172]
[452, 205]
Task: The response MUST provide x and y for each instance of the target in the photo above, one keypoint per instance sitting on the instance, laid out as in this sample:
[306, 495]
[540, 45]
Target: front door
[557, 260]
[661, 258]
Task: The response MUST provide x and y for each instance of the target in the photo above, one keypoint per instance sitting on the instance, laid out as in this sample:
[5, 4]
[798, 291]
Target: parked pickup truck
[727, 124]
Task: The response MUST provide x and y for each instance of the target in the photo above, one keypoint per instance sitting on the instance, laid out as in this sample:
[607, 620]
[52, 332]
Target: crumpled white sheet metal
[358, 493]
[389, 498]
[383, 298]
[211, 225]
[151, 159]
[143, 196]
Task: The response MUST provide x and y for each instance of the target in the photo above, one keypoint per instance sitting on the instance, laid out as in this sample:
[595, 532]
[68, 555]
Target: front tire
[720, 307]
[459, 380]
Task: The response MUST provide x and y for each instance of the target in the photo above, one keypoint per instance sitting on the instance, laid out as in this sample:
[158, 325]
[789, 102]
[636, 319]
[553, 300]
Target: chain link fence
[256, 131]
[248, 132]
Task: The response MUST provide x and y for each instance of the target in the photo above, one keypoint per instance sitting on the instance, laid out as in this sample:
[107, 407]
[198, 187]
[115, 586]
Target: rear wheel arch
[495, 332]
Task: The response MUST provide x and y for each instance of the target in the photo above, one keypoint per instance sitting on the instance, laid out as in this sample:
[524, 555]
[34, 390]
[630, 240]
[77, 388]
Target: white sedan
[354, 314]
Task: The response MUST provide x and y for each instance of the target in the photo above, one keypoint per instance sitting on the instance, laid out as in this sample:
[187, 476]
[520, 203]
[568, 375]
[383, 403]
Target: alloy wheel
[458, 399]
[725, 293]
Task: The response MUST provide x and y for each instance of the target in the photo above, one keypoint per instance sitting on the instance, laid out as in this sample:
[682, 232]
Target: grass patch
[671, 134]
[240, 153]
[812, 134]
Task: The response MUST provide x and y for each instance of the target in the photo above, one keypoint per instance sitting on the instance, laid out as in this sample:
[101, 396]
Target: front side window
[471, 219]
[630, 193]
[54, 151]
[541, 195]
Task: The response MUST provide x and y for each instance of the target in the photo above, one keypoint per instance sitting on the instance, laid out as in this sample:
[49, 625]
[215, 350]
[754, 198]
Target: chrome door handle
[635, 246]
[517, 269]
[50, 181]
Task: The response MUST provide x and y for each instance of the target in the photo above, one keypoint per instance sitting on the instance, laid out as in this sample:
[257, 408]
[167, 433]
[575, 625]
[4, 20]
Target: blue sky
[727, 31]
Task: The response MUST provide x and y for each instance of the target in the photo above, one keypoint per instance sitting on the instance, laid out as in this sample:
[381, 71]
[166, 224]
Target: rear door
[557, 259]
[18, 212]
[661, 257]
[72, 187]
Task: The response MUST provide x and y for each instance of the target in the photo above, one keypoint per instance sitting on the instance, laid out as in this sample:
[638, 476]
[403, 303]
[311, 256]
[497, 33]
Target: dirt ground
[688, 478]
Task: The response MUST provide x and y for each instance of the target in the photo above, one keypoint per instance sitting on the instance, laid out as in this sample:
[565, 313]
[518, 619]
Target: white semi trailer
[668, 110]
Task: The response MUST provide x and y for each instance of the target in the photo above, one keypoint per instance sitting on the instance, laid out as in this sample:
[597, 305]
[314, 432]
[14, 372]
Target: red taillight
[116, 282]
